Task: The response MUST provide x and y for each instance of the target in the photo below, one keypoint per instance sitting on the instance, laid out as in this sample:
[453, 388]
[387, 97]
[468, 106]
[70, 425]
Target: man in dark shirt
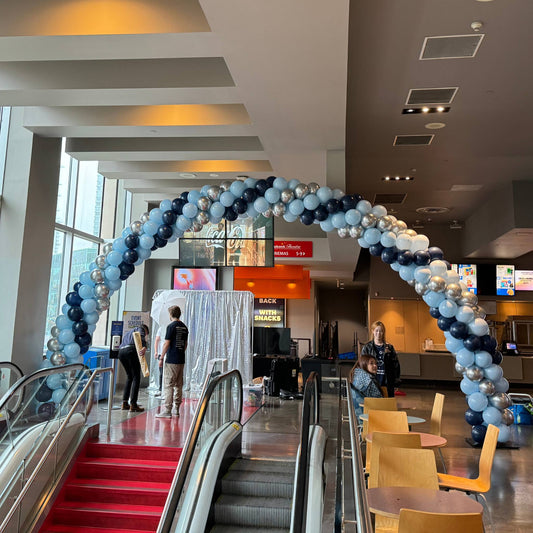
[173, 351]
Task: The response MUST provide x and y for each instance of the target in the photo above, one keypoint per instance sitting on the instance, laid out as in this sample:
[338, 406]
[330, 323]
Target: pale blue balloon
[58, 395]
[433, 299]
[491, 415]
[217, 209]
[447, 308]
[293, 184]
[192, 197]
[324, 194]
[464, 314]
[250, 183]
[63, 322]
[165, 205]
[54, 381]
[190, 210]
[406, 272]
[353, 217]
[363, 243]
[468, 387]
[150, 227]
[119, 246]
[311, 202]
[478, 327]
[422, 274]
[45, 363]
[272, 195]
[237, 188]
[327, 225]
[92, 318]
[339, 221]
[72, 349]
[110, 273]
[145, 241]
[364, 207]
[227, 198]
[483, 359]
[477, 401]
[396, 266]
[465, 357]
[454, 345]
[156, 215]
[65, 308]
[493, 372]
[145, 253]
[251, 211]
[172, 238]
[85, 277]
[280, 183]
[338, 194]
[505, 433]
[114, 258]
[92, 266]
[296, 207]
[388, 239]
[203, 190]
[88, 305]
[371, 235]
[212, 220]
[289, 217]
[76, 359]
[179, 234]
[66, 336]
[261, 205]
[114, 285]
[126, 231]
[183, 223]
[91, 328]
[502, 385]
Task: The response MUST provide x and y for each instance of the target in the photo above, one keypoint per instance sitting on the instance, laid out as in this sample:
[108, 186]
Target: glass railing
[220, 403]
[10, 373]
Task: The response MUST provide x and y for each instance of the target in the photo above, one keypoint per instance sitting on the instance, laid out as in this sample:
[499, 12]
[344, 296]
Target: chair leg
[442, 460]
[487, 509]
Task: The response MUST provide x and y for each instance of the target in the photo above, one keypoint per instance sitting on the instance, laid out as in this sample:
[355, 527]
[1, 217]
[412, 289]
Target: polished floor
[273, 432]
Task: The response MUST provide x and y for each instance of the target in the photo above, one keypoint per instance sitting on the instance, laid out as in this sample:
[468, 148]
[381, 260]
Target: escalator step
[267, 484]
[253, 511]
[236, 529]
[257, 465]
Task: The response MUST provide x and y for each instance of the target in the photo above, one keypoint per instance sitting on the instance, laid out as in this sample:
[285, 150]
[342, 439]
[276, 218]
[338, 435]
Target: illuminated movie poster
[505, 280]
[203, 279]
[523, 280]
[468, 275]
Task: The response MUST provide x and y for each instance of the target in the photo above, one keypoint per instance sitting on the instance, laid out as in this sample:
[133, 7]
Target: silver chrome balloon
[384, 223]
[108, 247]
[398, 226]
[54, 331]
[268, 213]
[459, 368]
[58, 358]
[411, 282]
[479, 312]
[287, 195]
[411, 232]
[486, 386]
[356, 232]
[225, 185]
[468, 298]
[500, 400]
[101, 290]
[54, 345]
[313, 187]
[100, 261]
[343, 233]
[136, 227]
[145, 217]
[196, 227]
[102, 304]
[437, 284]
[474, 373]
[368, 221]
[421, 288]
[213, 192]
[301, 190]
[453, 291]
[507, 417]
[97, 275]
[202, 218]
[203, 203]
[278, 209]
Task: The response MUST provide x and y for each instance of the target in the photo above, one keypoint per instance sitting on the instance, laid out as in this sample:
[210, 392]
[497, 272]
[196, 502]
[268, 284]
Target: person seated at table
[364, 382]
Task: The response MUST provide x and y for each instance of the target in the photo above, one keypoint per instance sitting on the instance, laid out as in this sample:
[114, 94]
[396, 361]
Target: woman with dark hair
[363, 381]
[385, 354]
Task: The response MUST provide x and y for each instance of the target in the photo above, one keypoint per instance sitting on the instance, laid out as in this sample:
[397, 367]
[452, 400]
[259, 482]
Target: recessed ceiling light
[425, 110]
[410, 110]
[440, 109]
[397, 178]
[435, 125]
[187, 175]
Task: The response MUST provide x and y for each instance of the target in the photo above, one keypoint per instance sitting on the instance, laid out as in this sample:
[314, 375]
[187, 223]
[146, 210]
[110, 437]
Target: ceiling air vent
[443, 95]
[386, 198]
[413, 140]
[451, 46]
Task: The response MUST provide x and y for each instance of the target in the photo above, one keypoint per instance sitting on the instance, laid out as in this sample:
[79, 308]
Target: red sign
[293, 249]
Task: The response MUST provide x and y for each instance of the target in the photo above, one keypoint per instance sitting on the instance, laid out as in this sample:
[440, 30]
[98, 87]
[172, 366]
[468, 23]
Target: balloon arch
[409, 254]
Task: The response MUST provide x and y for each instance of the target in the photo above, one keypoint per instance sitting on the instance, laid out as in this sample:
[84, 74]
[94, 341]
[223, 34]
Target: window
[4, 127]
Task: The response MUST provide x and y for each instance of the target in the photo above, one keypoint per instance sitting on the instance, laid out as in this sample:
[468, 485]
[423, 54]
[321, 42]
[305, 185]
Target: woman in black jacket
[385, 354]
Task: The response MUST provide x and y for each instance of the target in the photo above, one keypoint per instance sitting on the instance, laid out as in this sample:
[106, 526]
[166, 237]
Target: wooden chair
[385, 392]
[391, 440]
[436, 421]
[377, 404]
[421, 522]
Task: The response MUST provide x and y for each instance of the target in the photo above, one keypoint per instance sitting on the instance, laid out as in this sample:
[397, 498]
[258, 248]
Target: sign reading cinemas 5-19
[269, 312]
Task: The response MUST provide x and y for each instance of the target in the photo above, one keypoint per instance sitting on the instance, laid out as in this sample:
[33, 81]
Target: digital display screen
[505, 280]
[199, 279]
[510, 345]
[523, 280]
[468, 275]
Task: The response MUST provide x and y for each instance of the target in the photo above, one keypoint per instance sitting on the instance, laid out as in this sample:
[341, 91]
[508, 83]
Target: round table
[427, 440]
[410, 419]
[387, 501]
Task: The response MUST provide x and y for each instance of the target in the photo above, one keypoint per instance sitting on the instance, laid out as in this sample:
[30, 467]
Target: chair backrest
[392, 440]
[421, 522]
[380, 404]
[487, 456]
[404, 467]
[436, 414]
[385, 392]
[389, 421]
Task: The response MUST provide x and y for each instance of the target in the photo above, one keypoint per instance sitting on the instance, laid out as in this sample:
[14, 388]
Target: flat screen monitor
[272, 341]
[199, 279]
[505, 280]
[523, 280]
[510, 345]
[468, 275]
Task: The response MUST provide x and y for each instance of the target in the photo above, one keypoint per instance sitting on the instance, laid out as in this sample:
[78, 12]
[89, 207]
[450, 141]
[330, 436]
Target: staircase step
[267, 484]
[61, 528]
[156, 453]
[128, 461]
[118, 483]
[253, 511]
[91, 492]
[142, 521]
[95, 468]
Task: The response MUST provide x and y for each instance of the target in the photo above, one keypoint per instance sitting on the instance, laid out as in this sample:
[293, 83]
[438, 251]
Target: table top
[410, 419]
[387, 501]
[427, 440]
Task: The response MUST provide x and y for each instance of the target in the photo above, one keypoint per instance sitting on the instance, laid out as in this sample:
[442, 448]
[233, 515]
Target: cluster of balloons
[408, 253]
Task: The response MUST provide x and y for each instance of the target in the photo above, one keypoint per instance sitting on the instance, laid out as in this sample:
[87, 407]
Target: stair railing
[219, 390]
[11, 373]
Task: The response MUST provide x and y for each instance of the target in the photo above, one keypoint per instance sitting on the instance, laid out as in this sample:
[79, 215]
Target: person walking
[173, 352]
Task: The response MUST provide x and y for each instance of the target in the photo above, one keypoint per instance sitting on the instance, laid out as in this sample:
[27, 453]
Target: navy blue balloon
[262, 187]
[184, 196]
[230, 214]
[307, 217]
[435, 253]
[77, 286]
[249, 195]
[153, 248]
[434, 312]
[177, 205]
[239, 206]
[459, 330]
[472, 343]
[79, 328]
[474, 418]
[444, 323]
[159, 241]
[73, 299]
[478, 433]
[126, 270]
[83, 340]
[389, 255]
[405, 257]
[169, 217]
[347, 203]
[321, 213]
[376, 249]
[164, 231]
[357, 198]
[45, 411]
[130, 256]
[44, 393]
[83, 349]
[270, 180]
[488, 344]
[332, 205]
[448, 264]
[497, 358]
[422, 258]
[75, 313]
[131, 241]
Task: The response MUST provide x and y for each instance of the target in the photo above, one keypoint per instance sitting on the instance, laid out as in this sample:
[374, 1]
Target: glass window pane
[83, 254]
[89, 198]
[63, 188]
[4, 127]
[54, 288]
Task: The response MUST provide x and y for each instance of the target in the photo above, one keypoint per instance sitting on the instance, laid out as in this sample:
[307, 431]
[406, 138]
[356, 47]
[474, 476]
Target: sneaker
[163, 414]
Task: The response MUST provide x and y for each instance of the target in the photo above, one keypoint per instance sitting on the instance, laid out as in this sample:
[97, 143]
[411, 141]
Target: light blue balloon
[493, 372]
[327, 225]
[227, 198]
[190, 210]
[237, 188]
[72, 349]
[126, 231]
[433, 299]
[311, 202]
[145, 241]
[388, 238]
[289, 217]
[505, 433]
[261, 205]
[111, 273]
[422, 274]
[447, 308]
[353, 217]
[203, 190]
[296, 207]
[371, 235]
[58, 395]
[464, 314]
[502, 385]
[250, 183]
[88, 305]
[92, 318]
[54, 381]
[217, 209]
[483, 359]
[363, 243]
[339, 221]
[45, 363]
[85, 277]
[272, 195]
[337, 194]
[156, 215]
[91, 328]
[478, 327]
[63, 322]
[66, 336]
[469, 387]
[75, 359]
[406, 272]
[183, 223]
[144, 254]
[491, 415]
[396, 266]
[324, 194]
[114, 258]
[250, 210]
[165, 205]
[280, 183]
[65, 308]
[364, 207]
[150, 228]
[293, 184]
[193, 197]
[454, 345]
[119, 246]
[478, 401]
[114, 285]
[465, 357]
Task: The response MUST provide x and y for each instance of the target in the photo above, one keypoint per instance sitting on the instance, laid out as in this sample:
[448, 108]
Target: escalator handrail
[308, 418]
[9, 364]
[188, 450]
[56, 437]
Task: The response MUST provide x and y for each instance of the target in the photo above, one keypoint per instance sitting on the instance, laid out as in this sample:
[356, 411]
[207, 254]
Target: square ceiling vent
[451, 46]
[389, 198]
[412, 140]
[443, 95]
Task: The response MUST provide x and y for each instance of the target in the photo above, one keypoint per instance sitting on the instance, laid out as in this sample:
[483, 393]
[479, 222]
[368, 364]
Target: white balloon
[465, 314]
[438, 268]
[403, 242]
[422, 274]
[451, 277]
[478, 327]
[420, 242]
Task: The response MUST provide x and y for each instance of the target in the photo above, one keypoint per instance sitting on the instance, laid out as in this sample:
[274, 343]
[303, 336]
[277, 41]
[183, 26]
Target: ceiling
[172, 94]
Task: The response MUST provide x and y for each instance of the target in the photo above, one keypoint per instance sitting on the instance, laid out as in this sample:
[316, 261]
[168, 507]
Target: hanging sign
[293, 249]
[269, 312]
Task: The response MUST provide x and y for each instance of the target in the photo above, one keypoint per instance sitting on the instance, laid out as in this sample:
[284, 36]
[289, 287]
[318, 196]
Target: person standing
[127, 353]
[158, 346]
[173, 352]
[385, 354]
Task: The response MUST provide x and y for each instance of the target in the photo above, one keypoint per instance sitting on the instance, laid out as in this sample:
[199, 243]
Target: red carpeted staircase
[114, 489]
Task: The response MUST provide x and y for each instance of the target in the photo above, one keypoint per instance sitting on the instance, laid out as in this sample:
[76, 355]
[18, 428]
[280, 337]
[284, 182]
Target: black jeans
[130, 361]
